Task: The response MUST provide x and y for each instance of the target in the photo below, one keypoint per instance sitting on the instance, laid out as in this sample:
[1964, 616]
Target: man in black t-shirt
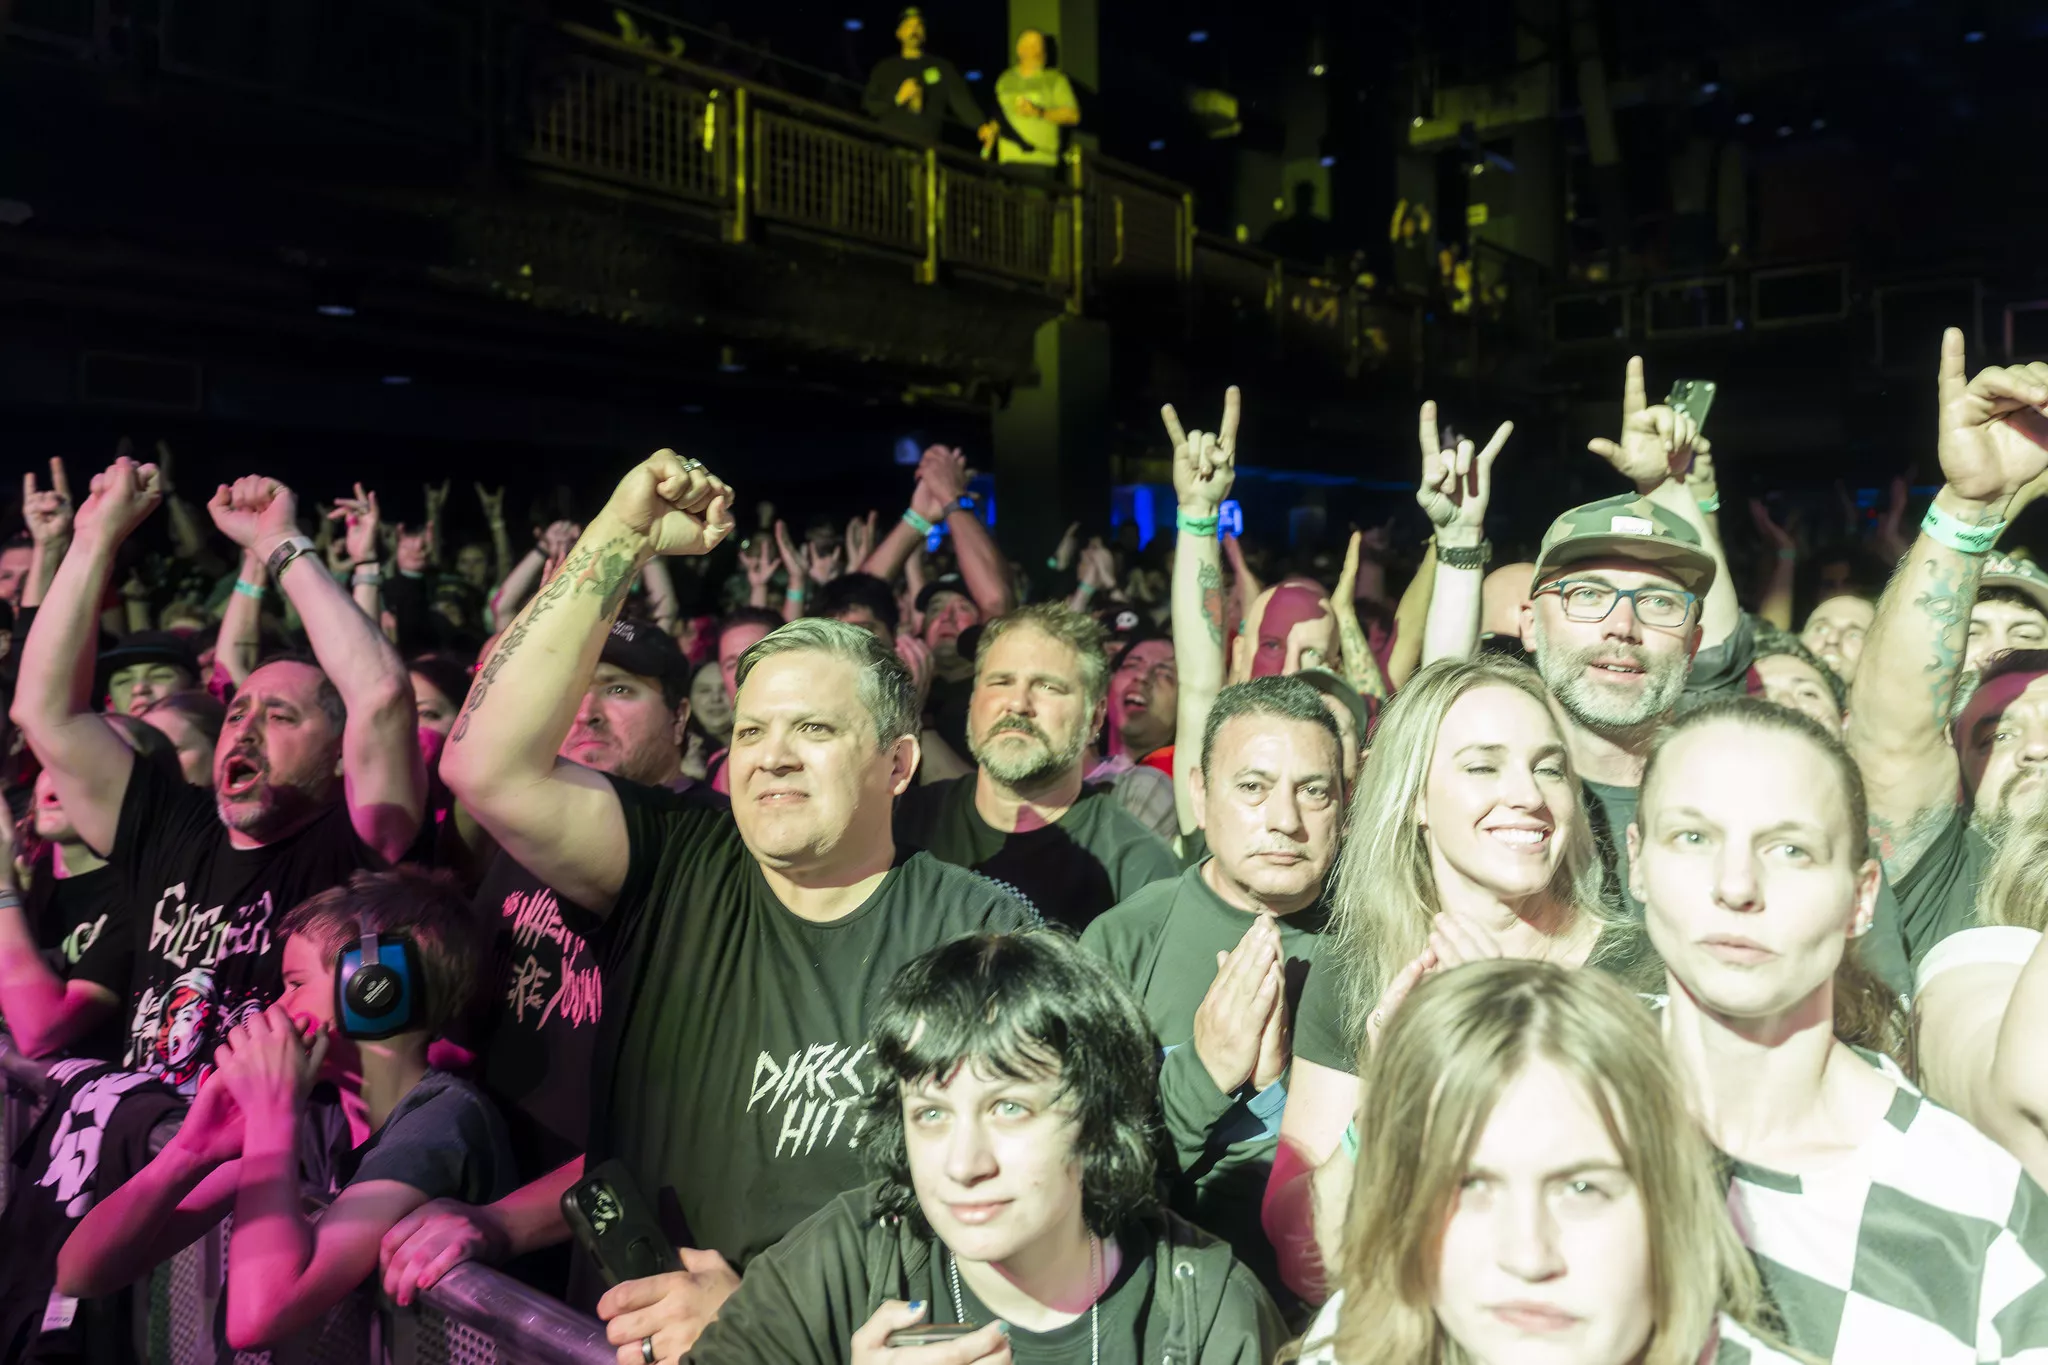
[910, 93]
[210, 870]
[538, 1025]
[745, 949]
[1023, 817]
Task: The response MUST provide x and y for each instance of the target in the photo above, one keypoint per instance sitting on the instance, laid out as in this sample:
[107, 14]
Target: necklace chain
[1095, 1273]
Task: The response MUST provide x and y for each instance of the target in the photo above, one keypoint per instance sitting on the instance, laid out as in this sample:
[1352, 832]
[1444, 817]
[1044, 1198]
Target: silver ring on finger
[647, 1349]
[692, 463]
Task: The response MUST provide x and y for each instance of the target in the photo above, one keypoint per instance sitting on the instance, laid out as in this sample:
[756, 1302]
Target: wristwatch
[1464, 556]
[288, 549]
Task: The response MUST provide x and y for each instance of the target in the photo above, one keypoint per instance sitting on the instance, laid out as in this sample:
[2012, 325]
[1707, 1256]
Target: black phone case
[616, 1227]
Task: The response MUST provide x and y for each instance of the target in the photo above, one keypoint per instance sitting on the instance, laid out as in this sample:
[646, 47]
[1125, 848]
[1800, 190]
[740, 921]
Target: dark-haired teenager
[1016, 1192]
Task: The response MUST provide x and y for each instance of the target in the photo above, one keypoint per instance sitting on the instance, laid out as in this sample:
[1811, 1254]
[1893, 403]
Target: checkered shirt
[1925, 1247]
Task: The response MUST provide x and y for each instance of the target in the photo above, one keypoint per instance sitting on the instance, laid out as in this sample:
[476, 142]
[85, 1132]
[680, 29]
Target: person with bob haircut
[1013, 1138]
[1532, 1188]
[1885, 1227]
[1468, 841]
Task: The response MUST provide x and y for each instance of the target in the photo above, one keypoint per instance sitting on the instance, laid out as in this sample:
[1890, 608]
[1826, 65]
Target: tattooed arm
[1203, 470]
[564, 822]
[1992, 439]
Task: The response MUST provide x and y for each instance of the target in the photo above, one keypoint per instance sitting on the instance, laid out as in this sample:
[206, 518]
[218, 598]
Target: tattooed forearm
[604, 571]
[1948, 589]
[1211, 582]
[1359, 664]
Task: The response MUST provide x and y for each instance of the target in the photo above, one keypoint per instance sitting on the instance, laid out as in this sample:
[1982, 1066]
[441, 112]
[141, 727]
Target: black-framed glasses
[1588, 600]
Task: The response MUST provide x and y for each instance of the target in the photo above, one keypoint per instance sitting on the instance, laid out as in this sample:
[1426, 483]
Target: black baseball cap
[645, 649]
[149, 647]
[932, 589]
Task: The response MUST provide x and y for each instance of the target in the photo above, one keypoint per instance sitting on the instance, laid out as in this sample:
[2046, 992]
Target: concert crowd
[879, 944]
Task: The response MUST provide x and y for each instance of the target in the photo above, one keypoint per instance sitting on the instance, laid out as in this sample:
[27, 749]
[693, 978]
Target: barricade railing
[473, 1316]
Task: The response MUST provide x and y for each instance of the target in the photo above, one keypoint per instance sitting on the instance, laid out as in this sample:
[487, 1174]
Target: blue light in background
[1745, 119]
[1157, 144]
[1328, 162]
[1975, 35]
[854, 26]
[1229, 519]
[974, 75]
[1141, 513]
[1200, 35]
[907, 450]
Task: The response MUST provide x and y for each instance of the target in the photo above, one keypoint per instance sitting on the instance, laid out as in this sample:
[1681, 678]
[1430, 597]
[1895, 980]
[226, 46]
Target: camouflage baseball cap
[2011, 571]
[1627, 527]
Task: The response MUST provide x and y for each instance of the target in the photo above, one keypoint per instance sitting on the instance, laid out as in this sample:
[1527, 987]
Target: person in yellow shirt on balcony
[1035, 102]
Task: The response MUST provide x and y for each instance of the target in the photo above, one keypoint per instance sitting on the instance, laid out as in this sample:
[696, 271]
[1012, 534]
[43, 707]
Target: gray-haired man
[745, 945]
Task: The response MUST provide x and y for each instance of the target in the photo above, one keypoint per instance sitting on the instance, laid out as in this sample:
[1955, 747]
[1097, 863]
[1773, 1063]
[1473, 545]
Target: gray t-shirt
[443, 1138]
[1049, 89]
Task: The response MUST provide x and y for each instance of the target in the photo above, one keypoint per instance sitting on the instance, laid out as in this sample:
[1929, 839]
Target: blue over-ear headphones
[378, 988]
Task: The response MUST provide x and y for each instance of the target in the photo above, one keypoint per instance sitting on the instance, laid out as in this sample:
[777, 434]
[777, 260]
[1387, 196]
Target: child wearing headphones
[327, 1094]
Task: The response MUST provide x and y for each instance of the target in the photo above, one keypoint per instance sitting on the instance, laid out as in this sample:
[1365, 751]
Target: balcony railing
[749, 162]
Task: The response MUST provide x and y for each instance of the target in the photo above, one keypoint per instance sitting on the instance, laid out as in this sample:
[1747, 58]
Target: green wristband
[916, 522]
[1957, 534]
[1196, 526]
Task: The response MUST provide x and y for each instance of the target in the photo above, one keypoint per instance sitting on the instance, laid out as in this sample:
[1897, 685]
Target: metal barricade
[477, 1316]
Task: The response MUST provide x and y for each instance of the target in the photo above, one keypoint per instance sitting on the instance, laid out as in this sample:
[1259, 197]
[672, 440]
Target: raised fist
[678, 505]
[254, 511]
[122, 497]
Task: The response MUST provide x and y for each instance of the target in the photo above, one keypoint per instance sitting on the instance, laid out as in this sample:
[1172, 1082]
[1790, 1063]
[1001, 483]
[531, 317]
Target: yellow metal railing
[629, 127]
[768, 161]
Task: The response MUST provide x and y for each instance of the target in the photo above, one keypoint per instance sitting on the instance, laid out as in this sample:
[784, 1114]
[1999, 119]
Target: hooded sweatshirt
[804, 1298]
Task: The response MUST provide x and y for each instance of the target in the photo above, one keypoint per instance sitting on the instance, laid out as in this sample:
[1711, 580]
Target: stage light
[1745, 119]
[1419, 121]
[854, 26]
[1317, 69]
[1711, 88]
[1200, 35]
[1819, 124]
[397, 379]
[1328, 162]
[335, 310]
[1156, 145]
[974, 75]
[1784, 130]
[1975, 35]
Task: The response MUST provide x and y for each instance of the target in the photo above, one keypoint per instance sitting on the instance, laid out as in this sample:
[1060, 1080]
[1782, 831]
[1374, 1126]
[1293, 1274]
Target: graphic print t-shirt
[205, 957]
[1094, 856]
[733, 1060]
[84, 927]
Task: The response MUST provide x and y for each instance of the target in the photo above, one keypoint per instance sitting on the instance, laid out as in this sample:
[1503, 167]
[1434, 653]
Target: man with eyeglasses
[1612, 623]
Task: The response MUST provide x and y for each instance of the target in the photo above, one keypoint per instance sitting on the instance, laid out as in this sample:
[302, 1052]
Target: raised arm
[662, 603]
[87, 761]
[1457, 486]
[1411, 620]
[982, 566]
[384, 775]
[563, 822]
[1204, 467]
[928, 505]
[49, 516]
[1993, 440]
[1656, 449]
[1774, 602]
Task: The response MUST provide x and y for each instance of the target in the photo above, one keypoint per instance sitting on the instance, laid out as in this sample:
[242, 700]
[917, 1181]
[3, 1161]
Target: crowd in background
[966, 952]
